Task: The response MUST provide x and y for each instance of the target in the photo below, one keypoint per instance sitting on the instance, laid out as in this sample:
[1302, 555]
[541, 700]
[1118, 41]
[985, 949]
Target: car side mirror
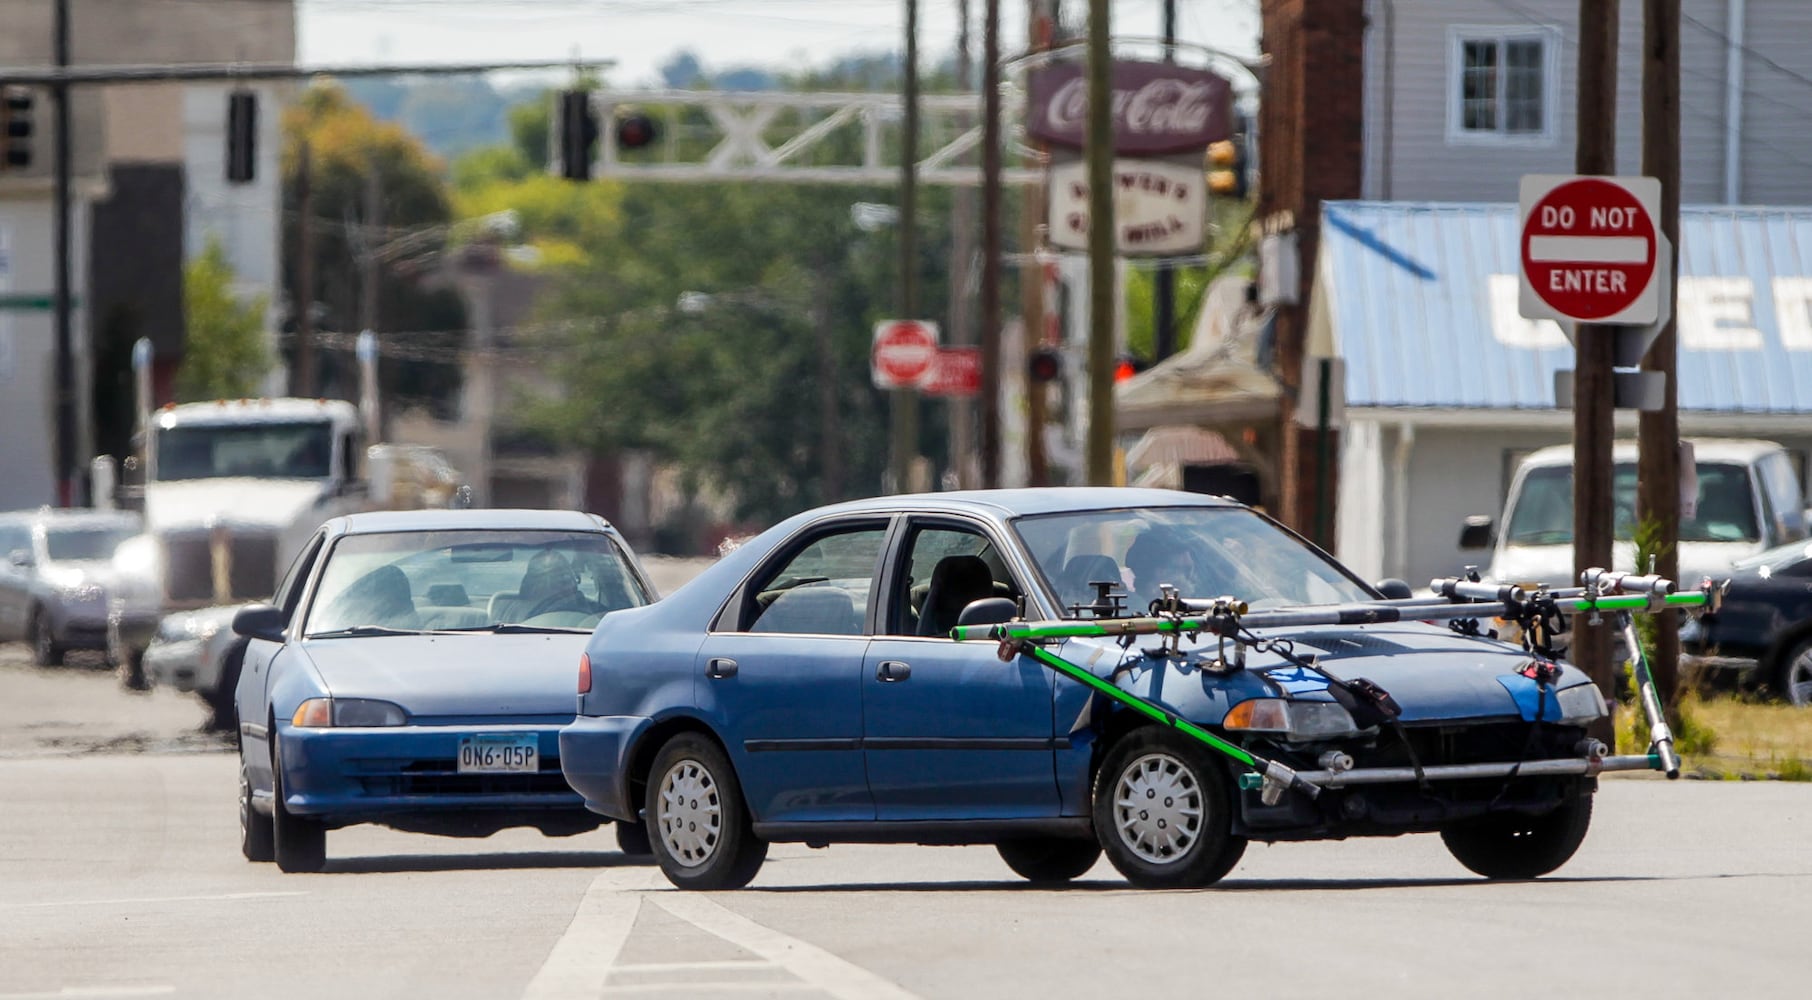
[988, 611]
[1477, 533]
[259, 621]
[21, 558]
[1394, 589]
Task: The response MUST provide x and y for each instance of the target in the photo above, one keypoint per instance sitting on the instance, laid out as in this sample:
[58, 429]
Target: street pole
[989, 320]
[905, 399]
[1100, 251]
[1163, 280]
[962, 256]
[1593, 390]
[1041, 21]
[65, 444]
[372, 272]
[1658, 435]
[302, 380]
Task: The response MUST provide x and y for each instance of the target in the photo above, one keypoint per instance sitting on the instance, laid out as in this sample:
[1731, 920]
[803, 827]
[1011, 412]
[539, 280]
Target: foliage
[1228, 249]
[225, 355]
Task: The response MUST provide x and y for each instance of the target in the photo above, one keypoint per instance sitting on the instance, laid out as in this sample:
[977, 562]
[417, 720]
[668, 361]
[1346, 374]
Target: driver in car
[551, 584]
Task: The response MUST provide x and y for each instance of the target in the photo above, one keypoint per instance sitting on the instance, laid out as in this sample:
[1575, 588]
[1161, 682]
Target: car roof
[1703, 449]
[258, 410]
[375, 522]
[1023, 502]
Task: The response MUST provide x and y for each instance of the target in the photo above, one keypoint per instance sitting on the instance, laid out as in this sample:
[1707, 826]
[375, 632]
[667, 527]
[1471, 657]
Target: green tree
[225, 355]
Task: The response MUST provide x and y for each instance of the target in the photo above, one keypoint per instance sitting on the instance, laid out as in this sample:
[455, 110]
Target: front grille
[254, 575]
[189, 566]
[440, 777]
[1493, 742]
[188, 569]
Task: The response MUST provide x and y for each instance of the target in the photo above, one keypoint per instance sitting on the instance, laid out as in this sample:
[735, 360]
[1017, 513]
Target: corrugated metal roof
[1422, 305]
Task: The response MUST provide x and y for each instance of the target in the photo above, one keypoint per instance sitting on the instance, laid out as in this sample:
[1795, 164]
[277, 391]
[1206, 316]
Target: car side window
[1782, 490]
[823, 588]
[289, 592]
[946, 568]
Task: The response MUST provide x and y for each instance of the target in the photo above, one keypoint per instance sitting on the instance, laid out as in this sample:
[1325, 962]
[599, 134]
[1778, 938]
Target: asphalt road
[120, 876]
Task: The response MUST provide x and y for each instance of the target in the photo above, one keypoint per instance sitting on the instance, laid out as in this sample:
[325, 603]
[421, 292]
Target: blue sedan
[805, 688]
[414, 669]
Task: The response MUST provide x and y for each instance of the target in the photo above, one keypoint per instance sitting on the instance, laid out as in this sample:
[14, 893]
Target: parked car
[56, 576]
[1764, 628]
[804, 688]
[198, 652]
[414, 670]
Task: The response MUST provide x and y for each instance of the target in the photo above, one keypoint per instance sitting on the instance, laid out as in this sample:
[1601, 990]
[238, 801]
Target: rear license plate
[499, 753]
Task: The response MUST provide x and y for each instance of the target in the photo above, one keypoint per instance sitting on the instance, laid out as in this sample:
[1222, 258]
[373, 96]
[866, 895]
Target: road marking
[809, 962]
[131, 901]
[693, 988]
[728, 963]
[69, 992]
[583, 956]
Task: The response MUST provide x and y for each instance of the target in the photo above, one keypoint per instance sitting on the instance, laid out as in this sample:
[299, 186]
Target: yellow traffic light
[1223, 153]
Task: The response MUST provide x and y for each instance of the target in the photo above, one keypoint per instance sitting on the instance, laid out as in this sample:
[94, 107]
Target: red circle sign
[904, 352]
[1588, 249]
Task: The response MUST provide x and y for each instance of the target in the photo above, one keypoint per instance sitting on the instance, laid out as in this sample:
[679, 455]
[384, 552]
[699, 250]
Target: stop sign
[1589, 249]
[904, 353]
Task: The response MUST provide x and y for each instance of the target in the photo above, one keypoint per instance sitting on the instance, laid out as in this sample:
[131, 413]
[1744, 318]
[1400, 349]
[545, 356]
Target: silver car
[56, 576]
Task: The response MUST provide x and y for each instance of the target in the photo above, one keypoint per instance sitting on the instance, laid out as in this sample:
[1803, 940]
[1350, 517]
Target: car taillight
[584, 673]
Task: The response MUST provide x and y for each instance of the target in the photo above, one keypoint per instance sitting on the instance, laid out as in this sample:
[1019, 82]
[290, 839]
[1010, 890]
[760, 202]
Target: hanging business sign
[1159, 207]
[1158, 108]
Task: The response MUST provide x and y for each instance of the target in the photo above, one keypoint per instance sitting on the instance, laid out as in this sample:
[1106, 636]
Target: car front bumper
[594, 754]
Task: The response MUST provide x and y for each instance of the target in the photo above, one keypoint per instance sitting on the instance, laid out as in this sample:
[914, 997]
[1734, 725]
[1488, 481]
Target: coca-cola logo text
[1157, 108]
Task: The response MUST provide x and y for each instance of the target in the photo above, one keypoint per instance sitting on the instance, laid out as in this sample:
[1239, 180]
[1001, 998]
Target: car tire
[298, 844]
[224, 713]
[1049, 860]
[632, 840]
[698, 826]
[1518, 846]
[1793, 678]
[256, 831]
[45, 652]
[1164, 812]
[129, 669]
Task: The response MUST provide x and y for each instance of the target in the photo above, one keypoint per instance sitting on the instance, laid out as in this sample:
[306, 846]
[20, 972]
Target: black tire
[129, 668]
[1793, 678]
[632, 840]
[698, 827]
[224, 717]
[257, 832]
[1048, 860]
[1517, 846]
[45, 652]
[299, 844]
[1183, 840]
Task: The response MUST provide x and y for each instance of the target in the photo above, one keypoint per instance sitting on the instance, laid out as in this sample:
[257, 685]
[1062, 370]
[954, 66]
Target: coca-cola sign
[1158, 108]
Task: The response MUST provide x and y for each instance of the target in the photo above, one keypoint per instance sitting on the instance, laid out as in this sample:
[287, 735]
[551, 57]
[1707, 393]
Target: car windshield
[1543, 514]
[301, 450]
[84, 543]
[1205, 552]
[474, 579]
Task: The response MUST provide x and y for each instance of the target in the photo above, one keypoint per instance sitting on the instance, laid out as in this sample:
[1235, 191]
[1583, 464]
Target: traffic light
[1044, 365]
[242, 136]
[1126, 366]
[577, 133]
[16, 127]
[635, 130]
[1227, 167]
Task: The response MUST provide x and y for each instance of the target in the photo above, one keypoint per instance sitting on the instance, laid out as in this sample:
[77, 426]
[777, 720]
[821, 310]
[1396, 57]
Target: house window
[1501, 86]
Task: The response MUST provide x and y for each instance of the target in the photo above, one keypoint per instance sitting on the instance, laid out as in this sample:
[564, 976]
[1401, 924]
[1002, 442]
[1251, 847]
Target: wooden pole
[1658, 478]
[989, 321]
[1100, 153]
[302, 380]
[905, 431]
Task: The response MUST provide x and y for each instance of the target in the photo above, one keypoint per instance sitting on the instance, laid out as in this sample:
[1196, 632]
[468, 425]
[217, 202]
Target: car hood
[197, 503]
[1433, 672]
[1553, 564]
[455, 675]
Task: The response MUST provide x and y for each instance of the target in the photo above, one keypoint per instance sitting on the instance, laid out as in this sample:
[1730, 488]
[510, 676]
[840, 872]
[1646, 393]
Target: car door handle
[893, 670]
[720, 666]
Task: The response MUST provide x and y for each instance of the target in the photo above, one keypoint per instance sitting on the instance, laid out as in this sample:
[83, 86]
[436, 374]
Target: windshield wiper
[512, 628]
[341, 633]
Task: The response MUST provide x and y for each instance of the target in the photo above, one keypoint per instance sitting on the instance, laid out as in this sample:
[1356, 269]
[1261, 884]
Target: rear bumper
[594, 755]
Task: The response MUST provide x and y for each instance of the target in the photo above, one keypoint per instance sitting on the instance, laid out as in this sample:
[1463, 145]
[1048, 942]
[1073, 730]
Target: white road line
[728, 963]
[583, 956]
[77, 992]
[695, 988]
[1589, 249]
[816, 966]
[136, 900]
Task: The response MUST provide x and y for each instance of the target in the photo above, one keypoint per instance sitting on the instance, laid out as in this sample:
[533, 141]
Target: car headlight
[139, 556]
[181, 628]
[1580, 704]
[1297, 721]
[322, 713]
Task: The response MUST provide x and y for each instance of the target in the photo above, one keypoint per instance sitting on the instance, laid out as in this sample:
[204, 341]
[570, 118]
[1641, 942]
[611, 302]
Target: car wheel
[224, 717]
[698, 827]
[1793, 680]
[632, 840]
[1049, 859]
[256, 833]
[1515, 846]
[1164, 812]
[44, 649]
[299, 844]
[129, 668]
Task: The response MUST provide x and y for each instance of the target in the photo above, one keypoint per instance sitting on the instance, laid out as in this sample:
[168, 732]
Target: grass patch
[1732, 736]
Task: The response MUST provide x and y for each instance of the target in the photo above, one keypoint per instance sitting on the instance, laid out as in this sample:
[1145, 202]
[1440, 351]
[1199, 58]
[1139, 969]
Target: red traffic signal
[1126, 366]
[1044, 365]
[636, 130]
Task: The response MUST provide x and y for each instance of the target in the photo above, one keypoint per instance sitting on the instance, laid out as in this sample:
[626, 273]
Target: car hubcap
[1158, 808]
[690, 815]
[1799, 679]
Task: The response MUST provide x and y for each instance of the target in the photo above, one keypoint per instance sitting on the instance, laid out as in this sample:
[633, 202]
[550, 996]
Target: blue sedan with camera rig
[1162, 677]
[414, 669]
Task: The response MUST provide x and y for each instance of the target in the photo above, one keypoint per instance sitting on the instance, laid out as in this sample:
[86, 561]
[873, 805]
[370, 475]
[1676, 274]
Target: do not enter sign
[904, 354]
[1589, 249]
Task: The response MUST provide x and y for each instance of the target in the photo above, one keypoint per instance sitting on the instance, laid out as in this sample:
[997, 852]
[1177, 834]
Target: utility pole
[1163, 280]
[962, 256]
[1593, 389]
[302, 380]
[65, 359]
[905, 399]
[990, 281]
[1658, 475]
[372, 270]
[1041, 19]
[1100, 250]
